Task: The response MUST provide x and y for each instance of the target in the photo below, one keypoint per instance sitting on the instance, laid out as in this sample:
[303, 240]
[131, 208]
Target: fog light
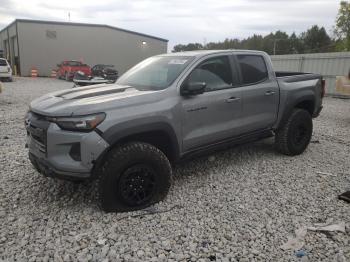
[75, 152]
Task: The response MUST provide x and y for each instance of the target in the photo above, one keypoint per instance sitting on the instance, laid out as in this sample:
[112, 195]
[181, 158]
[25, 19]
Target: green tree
[254, 42]
[188, 47]
[276, 43]
[296, 44]
[317, 40]
[342, 26]
[227, 44]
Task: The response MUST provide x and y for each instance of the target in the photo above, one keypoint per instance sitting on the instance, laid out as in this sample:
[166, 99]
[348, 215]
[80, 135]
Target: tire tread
[123, 152]
[281, 138]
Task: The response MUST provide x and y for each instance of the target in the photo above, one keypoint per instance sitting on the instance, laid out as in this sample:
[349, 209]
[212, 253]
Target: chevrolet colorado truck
[168, 108]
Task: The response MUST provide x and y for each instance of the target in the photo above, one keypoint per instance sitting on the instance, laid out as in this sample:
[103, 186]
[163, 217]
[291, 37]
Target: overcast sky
[182, 21]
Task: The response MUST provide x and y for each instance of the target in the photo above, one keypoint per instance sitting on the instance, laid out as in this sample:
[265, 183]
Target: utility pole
[275, 44]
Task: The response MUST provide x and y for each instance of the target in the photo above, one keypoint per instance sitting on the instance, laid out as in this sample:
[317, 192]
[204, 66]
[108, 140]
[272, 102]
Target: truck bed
[296, 76]
[292, 84]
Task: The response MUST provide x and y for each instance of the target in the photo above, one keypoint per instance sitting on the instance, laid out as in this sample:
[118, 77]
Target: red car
[67, 69]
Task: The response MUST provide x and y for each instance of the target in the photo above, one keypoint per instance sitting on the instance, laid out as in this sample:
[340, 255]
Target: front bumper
[64, 154]
[45, 168]
[112, 77]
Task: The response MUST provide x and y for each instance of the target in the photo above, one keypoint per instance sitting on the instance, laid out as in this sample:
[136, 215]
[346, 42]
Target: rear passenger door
[260, 93]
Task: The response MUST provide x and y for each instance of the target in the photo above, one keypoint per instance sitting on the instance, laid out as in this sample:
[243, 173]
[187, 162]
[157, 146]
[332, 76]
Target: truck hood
[90, 99]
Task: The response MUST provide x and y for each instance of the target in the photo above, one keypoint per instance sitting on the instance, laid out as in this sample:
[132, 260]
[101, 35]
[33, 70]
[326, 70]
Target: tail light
[323, 90]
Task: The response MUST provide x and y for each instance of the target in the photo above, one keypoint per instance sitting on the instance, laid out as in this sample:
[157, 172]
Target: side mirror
[195, 88]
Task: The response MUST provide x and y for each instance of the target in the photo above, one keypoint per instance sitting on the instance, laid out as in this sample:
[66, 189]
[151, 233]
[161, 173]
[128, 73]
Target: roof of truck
[199, 53]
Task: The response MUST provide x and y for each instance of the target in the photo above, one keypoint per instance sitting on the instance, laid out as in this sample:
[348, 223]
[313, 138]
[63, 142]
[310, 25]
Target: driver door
[214, 115]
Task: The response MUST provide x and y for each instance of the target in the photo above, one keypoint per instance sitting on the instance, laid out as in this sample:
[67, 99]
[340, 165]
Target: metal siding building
[330, 65]
[43, 44]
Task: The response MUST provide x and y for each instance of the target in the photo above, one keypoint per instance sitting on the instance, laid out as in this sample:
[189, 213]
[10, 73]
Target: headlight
[79, 123]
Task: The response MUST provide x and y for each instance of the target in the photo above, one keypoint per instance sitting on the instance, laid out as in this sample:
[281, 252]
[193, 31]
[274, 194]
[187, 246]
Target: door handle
[232, 99]
[269, 93]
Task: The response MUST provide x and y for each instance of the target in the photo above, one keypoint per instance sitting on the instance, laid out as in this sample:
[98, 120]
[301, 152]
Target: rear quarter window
[253, 68]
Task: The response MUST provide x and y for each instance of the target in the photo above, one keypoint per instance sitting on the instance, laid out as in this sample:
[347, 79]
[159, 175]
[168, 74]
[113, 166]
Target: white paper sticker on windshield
[177, 61]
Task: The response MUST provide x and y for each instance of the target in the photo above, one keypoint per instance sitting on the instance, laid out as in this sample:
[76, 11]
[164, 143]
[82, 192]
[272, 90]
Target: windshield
[155, 73]
[74, 63]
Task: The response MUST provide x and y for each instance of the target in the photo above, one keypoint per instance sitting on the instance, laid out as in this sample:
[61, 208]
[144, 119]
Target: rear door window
[253, 69]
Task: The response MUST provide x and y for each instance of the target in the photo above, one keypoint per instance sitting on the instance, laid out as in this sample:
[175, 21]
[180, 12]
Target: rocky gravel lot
[240, 204]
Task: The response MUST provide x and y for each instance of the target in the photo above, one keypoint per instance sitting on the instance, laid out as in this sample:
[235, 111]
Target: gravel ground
[240, 204]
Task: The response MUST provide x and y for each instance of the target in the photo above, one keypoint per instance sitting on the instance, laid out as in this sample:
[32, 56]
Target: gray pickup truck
[168, 108]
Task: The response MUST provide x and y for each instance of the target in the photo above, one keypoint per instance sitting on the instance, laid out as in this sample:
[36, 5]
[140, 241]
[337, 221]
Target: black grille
[37, 128]
[39, 137]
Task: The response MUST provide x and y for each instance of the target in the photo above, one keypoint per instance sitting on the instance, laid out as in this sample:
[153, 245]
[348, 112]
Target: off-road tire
[122, 159]
[295, 135]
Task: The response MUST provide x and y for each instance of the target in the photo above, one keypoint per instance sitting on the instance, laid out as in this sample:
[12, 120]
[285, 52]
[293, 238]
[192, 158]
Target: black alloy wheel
[137, 185]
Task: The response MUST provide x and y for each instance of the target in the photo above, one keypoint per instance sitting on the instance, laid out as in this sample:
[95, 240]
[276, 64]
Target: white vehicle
[5, 70]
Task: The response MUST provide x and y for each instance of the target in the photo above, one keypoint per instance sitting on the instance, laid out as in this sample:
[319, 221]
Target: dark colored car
[105, 71]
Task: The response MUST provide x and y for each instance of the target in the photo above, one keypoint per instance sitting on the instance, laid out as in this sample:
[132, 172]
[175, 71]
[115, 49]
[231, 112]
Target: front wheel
[295, 135]
[134, 176]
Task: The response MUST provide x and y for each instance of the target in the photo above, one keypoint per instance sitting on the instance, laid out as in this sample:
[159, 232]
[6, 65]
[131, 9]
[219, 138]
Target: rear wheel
[295, 135]
[134, 176]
